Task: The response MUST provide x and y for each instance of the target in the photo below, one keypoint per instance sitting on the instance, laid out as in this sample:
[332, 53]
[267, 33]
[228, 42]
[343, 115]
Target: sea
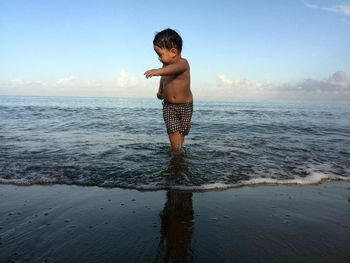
[120, 142]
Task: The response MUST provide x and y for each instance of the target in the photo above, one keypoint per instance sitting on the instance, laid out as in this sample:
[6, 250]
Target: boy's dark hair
[168, 39]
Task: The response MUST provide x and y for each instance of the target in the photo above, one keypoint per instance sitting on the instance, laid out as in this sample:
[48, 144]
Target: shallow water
[123, 143]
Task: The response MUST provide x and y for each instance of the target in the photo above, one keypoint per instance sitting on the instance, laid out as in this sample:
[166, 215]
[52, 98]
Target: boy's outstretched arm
[172, 69]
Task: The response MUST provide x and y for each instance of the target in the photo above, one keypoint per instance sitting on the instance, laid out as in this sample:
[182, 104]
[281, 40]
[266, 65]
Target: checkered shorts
[177, 117]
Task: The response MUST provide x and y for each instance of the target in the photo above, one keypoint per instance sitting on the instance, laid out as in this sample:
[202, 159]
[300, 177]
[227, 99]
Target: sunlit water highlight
[122, 143]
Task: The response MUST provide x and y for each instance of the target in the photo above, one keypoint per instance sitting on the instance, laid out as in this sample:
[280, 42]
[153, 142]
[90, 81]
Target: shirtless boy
[174, 86]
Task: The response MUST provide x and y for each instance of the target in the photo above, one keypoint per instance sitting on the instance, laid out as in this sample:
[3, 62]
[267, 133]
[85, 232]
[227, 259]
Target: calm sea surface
[123, 143]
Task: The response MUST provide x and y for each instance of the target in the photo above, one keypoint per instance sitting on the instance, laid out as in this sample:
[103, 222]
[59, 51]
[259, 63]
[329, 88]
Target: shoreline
[256, 223]
[313, 179]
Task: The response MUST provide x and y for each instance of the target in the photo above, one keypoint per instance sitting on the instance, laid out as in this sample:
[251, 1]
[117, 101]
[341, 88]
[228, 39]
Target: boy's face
[165, 56]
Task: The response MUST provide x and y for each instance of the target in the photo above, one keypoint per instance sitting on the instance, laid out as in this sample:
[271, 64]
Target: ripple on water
[113, 144]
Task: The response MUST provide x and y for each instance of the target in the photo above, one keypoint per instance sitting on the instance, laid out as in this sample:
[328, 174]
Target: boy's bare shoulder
[183, 60]
[185, 63]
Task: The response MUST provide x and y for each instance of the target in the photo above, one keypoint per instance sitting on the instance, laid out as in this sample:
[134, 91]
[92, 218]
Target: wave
[313, 178]
[123, 143]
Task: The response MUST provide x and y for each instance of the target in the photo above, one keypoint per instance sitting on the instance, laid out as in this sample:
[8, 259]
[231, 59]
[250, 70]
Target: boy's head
[168, 39]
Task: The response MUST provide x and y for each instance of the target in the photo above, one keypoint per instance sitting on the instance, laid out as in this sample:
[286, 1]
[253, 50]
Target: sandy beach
[62, 223]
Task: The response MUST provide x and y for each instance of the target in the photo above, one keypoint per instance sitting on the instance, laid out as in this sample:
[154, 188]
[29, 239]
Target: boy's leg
[176, 141]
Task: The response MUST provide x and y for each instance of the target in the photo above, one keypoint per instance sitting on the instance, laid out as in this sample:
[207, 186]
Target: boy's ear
[174, 51]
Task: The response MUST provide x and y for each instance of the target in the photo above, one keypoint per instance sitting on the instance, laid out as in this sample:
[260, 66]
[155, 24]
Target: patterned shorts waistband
[177, 104]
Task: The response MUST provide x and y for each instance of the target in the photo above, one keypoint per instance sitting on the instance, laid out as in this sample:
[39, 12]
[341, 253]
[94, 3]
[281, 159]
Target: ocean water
[114, 142]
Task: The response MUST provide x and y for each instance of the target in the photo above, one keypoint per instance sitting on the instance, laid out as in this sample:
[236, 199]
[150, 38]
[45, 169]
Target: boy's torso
[177, 89]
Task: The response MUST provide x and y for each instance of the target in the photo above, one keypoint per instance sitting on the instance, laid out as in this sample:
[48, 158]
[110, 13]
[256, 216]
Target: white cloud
[124, 85]
[74, 82]
[340, 9]
[76, 86]
[240, 89]
[125, 80]
[343, 9]
[340, 79]
[68, 82]
[127, 85]
[19, 87]
[226, 82]
[336, 87]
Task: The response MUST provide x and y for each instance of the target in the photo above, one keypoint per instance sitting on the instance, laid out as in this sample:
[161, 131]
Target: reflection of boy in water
[177, 224]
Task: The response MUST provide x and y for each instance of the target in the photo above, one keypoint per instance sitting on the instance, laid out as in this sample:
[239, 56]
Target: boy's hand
[159, 95]
[150, 73]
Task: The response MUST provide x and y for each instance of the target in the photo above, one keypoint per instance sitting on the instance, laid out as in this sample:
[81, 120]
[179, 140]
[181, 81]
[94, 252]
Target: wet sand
[60, 223]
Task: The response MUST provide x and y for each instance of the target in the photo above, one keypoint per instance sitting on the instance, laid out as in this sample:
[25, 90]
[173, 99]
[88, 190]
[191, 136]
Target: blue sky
[242, 49]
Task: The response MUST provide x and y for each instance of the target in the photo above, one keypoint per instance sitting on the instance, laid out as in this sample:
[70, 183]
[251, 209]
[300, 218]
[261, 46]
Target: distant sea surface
[116, 142]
